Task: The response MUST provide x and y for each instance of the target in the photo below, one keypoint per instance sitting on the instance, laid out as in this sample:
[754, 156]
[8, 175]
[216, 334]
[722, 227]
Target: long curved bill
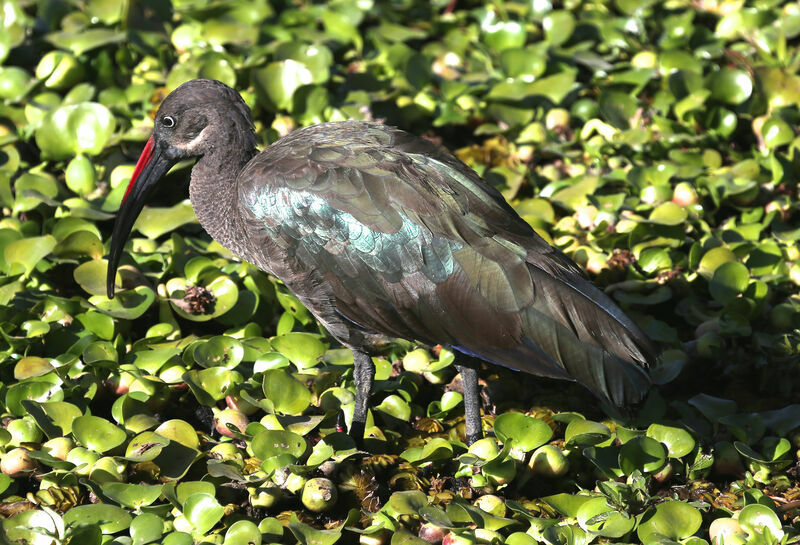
[152, 165]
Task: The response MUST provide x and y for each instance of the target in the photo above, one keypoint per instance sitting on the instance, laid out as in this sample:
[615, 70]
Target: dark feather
[372, 226]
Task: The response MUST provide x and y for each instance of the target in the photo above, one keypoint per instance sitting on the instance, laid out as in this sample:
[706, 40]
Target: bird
[382, 234]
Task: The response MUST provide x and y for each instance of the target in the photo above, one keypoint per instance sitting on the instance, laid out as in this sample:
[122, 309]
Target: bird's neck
[214, 196]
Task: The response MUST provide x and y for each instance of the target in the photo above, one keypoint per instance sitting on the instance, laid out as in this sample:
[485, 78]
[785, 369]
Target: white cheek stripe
[191, 145]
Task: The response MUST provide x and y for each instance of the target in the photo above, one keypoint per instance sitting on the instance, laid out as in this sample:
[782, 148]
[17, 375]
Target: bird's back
[378, 230]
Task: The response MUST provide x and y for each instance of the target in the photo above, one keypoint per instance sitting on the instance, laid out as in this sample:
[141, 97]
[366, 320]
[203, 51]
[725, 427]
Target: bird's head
[196, 119]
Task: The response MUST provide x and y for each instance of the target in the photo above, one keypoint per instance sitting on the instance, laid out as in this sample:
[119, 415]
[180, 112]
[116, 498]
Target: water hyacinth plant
[652, 142]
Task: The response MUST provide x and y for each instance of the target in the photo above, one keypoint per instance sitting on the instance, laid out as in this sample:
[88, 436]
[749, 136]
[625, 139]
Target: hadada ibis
[383, 234]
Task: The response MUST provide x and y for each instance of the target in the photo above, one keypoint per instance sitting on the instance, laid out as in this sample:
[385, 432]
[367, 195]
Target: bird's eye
[168, 121]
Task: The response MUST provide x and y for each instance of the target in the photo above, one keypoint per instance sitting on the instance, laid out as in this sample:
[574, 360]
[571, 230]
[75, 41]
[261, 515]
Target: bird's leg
[472, 403]
[364, 374]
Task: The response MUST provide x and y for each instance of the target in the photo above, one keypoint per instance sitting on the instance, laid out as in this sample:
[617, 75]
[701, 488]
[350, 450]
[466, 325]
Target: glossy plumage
[395, 235]
[384, 234]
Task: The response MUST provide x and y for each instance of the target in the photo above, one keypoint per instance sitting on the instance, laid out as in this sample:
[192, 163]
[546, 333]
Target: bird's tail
[576, 330]
[551, 349]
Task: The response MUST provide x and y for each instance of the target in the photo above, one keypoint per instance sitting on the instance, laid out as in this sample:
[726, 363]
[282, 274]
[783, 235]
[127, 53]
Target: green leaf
[271, 529]
[567, 504]
[558, 26]
[435, 449]
[586, 433]
[530, 61]
[451, 400]
[407, 503]
[269, 443]
[731, 86]
[22, 256]
[14, 83]
[108, 11]
[668, 213]
[617, 108]
[404, 537]
[203, 511]
[774, 451]
[395, 406]
[303, 349]
[91, 276]
[242, 532]
[31, 526]
[477, 515]
[212, 384]
[308, 535]
[110, 518]
[97, 434]
[132, 496]
[153, 360]
[554, 87]
[33, 189]
[220, 69]
[145, 446]
[653, 260]
[713, 259]
[340, 27]
[335, 397]
[287, 394]
[127, 304]
[781, 88]
[502, 35]
[32, 366]
[713, 408]
[776, 132]
[179, 431]
[154, 222]
[756, 518]
[180, 493]
[597, 517]
[782, 421]
[336, 446]
[678, 441]
[34, 390]
[576, 193]
[521, 538]
[278, 81]
[224, 293]
[317, 58]
[729, 281]
[220, 351]
[178, 538]
[146, 528]
[5, 482]
[55, 418]
[73, 129]
[642, 453]
[523, 432]
[80, 244]
[80, 41]
[673, 519]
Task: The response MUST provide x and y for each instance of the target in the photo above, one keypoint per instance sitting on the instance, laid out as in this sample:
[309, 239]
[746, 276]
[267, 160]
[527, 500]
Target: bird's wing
[412, 243]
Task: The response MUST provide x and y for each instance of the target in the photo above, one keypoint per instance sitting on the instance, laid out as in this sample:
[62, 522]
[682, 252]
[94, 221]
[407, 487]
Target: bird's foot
[356, 430]
[472, 437]
[357, 433]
